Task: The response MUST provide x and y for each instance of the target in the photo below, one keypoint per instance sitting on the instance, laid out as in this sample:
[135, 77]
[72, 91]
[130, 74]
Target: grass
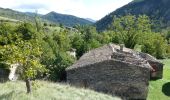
[8, 19]
[48, 91]
[160, 89]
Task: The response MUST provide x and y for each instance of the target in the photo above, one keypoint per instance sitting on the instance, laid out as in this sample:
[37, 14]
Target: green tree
[37, 21]
[62, 40]
[22, 50]
[27, 54]
[155, 45]
[77, 42]
[129, 28]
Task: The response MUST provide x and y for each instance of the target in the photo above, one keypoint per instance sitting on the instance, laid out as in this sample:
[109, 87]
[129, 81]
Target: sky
[94, 9]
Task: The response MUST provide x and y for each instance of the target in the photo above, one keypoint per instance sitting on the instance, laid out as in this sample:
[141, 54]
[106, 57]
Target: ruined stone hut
[110, 70]
[4, 73]
[157, 66]
[8, 73]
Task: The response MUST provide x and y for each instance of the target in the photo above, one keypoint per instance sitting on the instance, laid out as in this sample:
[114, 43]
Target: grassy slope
[8, 19]
[156, 91]
[48, 91]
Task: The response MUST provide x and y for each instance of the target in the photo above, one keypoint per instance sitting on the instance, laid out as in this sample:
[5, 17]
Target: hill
[12, 14]
[157, 10]
[91, 20]
[52, 17]
[8, 19]
[48, 91]
[67, 20]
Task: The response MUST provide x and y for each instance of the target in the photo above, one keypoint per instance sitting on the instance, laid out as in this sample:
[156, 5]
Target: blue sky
[95, 9]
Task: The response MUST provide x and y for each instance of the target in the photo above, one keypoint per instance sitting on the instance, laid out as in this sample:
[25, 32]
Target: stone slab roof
[108, 52]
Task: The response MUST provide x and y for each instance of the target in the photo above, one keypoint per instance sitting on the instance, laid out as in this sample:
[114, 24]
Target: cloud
[31, 6]
[94, 9]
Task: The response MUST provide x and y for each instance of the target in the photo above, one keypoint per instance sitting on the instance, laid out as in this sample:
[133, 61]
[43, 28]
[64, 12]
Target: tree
[129, 28]
[25, 31]
[62, 40]
[21, 47]
[5, 34]
[77, 43]
[25, 53]
[37, 22]
[155, 45]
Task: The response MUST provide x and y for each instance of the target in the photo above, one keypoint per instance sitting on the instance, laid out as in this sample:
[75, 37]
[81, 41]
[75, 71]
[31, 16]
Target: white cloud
[94, 9]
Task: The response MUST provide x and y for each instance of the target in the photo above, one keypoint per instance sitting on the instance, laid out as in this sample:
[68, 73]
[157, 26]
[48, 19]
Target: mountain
[52, 17]
[67, 20]
[32, 14]
[12, 14]
[91, 20]
[157, 10]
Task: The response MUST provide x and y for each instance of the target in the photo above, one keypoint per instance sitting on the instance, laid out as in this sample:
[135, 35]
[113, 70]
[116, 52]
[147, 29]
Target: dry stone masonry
[9, 74]
[4, 74]
[124, 73]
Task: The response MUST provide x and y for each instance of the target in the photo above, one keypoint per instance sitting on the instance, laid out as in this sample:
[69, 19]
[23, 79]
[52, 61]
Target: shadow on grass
[166, 89]
[7, 96]
[154, 79]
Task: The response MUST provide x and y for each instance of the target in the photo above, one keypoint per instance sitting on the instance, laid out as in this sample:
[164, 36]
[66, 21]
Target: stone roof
[109, 52]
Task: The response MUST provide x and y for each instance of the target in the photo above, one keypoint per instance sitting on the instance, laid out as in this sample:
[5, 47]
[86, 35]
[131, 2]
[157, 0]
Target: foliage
[55, 56]
[5, 34]
[26, 54]
[57, 69]
[88, 38]
[129, 29]
[155, 46]
[23, 49]
[78, 43]
[156, 10]
[26, 31]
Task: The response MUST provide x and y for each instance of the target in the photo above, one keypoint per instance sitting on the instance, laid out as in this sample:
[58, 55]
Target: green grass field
[8, 19]
[48, 91]
[160, 89]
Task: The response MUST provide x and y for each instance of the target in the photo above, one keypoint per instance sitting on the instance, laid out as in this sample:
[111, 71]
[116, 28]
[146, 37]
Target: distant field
[160, 89]
[8, 19]
[48, 91]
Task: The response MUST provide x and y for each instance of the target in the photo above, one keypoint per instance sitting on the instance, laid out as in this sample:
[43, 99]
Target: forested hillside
[52, 17]
[8, 13]
[67, 20]
[157, 10]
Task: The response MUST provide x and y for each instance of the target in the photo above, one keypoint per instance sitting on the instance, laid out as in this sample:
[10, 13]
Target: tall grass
[48, 91]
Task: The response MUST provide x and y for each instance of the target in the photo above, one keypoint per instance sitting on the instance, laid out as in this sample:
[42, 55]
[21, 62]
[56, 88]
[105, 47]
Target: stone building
[157, 66]
[72, 52]
[110, 70]
[4, 74]
[9, 74]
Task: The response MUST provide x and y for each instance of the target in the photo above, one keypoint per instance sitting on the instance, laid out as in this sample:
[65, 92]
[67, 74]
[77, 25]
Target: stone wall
[113, 77]
[4, 73]
[157, 66]
[13, 76]
[157, 71]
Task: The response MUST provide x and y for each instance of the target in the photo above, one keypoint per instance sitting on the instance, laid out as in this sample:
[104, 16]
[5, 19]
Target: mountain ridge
[51, 17]
[68, 20]
[157, 10]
